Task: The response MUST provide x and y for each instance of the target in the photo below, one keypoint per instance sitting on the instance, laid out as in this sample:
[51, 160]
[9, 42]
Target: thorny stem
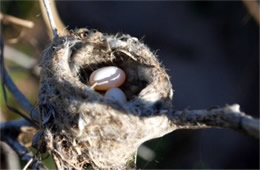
[51, 18]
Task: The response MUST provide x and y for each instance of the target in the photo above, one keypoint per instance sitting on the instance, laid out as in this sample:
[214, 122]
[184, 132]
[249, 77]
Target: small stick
[51, 18]
[253, 9]
[15, 20]
[7, 81]
[23, 60]
[28, 164]
[9, 131]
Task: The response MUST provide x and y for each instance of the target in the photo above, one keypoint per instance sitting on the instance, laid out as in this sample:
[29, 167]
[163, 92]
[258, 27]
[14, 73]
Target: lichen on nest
[81, 127]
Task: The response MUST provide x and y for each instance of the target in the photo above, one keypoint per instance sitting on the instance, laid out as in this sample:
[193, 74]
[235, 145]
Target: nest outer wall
[81, 127]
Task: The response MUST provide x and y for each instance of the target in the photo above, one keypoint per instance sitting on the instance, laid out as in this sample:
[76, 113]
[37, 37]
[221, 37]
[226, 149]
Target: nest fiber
[81, 127]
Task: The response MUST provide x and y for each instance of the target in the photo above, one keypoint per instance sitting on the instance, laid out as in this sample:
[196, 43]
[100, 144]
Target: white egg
[116, 94]
[107, 77]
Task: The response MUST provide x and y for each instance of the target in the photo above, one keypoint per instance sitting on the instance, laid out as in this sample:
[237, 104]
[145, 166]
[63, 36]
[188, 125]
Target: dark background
[211, 52]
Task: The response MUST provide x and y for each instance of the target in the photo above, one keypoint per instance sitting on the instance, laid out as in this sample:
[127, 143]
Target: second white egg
[116, 94]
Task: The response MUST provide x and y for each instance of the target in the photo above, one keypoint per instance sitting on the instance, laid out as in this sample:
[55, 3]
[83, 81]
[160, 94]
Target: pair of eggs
[109, 79]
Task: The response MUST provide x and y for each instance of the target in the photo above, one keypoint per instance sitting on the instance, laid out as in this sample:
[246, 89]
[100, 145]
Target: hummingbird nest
[81, 127]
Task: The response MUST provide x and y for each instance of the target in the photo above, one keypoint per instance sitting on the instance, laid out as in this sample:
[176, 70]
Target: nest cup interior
[138, 76]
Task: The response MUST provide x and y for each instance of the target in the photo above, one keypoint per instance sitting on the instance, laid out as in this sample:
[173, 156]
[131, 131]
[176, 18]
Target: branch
[20, 98]
[17, 38]
[7, 18]
[7, 81]
[11, 159]
[23, 60]
[19, 58]
[253, 9]
[60, 27]
[9, 132]
[226, 117]
[51, 18]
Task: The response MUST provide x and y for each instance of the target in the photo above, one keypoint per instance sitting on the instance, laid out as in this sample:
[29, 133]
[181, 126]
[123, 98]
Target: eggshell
[116, 94]
[107, 77]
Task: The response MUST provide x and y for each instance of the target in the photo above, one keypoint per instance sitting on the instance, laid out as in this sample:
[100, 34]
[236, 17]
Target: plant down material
[82, 127]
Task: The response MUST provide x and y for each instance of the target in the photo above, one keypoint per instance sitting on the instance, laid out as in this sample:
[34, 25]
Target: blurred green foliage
[17, 8]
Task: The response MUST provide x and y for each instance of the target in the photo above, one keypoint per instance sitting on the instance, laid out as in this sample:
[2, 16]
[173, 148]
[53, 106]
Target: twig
[7, 81]
[22, 59]
[28, 164]
[61, 29]
[253, 8]
[19, 57]
[7, 18]
[11, 160]
[51, 18]
[226, 117]
[17, 38]
[26, 105]
[9, 132]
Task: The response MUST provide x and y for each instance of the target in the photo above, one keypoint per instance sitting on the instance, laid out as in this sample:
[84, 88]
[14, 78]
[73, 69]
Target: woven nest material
[81, 127]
